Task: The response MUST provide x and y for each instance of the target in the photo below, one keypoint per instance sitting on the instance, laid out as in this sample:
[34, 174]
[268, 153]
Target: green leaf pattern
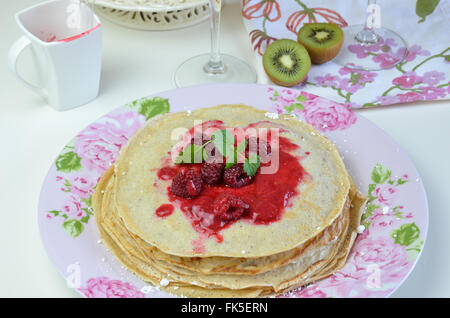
[380, 212]
[68, 162]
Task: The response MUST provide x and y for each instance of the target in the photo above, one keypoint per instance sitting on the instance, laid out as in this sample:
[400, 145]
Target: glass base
[192, 71]
[383, 50]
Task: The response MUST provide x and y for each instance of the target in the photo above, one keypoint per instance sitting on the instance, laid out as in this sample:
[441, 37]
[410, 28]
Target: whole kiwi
[323, 41]
[286, 62]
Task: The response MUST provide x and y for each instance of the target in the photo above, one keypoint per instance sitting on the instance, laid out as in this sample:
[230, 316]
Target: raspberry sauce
[267, 196]
[164, 210]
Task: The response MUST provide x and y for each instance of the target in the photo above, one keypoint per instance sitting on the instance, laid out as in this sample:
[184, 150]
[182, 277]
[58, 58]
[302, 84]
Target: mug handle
[13, 54]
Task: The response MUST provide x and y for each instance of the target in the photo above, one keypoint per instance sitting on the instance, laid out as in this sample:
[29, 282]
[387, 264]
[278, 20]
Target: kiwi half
[322, 40]
[286, 62]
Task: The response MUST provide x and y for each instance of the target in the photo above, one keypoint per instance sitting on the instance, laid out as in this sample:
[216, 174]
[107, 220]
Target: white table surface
[140, 63]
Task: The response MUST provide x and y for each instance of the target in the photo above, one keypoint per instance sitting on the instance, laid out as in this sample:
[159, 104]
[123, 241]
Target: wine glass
[369, 46]
[214, 67]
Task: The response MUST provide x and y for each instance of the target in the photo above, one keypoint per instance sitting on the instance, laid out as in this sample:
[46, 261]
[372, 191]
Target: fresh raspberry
[212, 173]
[236, 177]
[229, 207]
[186, 184]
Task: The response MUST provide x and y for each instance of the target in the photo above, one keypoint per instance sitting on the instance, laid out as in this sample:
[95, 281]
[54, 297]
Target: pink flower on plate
[373, 268]
[103, 287]
[311, 291]
[73, 208]
[407, 80]
[431, 93]
[98, 145]
[382, 224]
[283, 98]
[287, 97]
[385, 193]
[327, 115]
[82, 185]
[309, 96]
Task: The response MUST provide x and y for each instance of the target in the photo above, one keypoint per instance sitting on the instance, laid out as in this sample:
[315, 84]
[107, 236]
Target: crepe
[311, 240]
[122, 244]
[136, 197]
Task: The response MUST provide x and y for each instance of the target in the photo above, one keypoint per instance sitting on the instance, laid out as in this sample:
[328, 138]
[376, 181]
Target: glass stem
[215, 65]
[367, 35]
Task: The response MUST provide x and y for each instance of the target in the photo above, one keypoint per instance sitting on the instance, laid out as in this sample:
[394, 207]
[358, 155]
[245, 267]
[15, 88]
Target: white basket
[153, 14]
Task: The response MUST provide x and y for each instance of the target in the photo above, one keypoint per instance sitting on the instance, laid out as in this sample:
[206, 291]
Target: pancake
[308, 242]
[288, 277]
[228, 265]
[310, 213]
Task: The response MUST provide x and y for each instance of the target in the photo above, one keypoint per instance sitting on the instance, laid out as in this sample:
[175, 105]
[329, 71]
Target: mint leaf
[68, 162]
[239, 151]
[252, 164]
[154, 106]
[229, 165]
[73, 227]
[380, 173]
[406, 234]
[224, 142]
[191, 154]
[241, 147]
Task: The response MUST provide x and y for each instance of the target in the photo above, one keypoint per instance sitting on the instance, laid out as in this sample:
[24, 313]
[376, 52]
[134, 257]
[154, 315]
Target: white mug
[65, 38]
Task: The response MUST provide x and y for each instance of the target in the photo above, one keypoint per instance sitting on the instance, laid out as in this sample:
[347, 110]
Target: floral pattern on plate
[103, 287]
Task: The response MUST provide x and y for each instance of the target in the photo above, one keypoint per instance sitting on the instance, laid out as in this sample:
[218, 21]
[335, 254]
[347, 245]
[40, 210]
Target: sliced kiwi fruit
[322, 40]
[286, 62]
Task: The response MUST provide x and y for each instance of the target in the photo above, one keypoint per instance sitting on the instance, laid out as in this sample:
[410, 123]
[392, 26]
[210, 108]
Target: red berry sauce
[267, 196]
[165, 210]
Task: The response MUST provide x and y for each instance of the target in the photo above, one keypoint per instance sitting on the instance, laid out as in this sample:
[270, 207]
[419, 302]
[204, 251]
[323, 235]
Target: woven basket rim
[150, 7]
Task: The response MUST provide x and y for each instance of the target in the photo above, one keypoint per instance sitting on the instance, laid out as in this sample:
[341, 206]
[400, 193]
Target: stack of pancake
[310, 241]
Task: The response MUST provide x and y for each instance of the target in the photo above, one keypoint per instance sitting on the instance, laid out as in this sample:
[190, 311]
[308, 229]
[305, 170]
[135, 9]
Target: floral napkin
[424, 74]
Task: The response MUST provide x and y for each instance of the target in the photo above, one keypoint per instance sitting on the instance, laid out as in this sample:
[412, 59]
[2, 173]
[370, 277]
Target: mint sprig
[251, 164]
[224, 142]
[192, 154]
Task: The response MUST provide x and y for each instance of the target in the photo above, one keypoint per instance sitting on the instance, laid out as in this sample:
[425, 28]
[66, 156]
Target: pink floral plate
[395, 222]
